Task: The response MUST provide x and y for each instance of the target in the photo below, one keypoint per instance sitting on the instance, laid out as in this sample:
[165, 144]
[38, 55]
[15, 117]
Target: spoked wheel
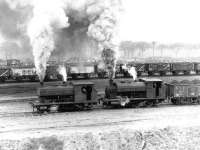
[173, 101]
[155, 103]
[149, 103]
[89, 107]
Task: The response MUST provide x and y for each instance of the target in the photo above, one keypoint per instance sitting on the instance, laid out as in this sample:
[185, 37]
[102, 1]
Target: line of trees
[132, 47]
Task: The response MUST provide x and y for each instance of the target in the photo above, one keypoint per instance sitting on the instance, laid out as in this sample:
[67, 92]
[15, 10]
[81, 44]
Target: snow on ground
[116, 129]
[121, 139]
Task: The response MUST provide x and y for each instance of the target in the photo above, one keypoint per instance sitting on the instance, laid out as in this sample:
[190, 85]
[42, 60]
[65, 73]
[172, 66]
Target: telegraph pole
[153, 43]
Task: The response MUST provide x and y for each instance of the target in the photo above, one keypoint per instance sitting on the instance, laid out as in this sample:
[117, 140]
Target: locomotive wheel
[155, 103]
[176, 101]
[89, 107]
[149, 103]
[173, 101]
[80, 107]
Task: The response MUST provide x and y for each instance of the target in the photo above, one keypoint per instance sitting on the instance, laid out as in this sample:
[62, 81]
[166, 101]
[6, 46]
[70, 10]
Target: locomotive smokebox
[111, 81]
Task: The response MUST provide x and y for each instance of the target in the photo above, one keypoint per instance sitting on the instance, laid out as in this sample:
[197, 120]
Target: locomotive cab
[155, 88]
[84, 91]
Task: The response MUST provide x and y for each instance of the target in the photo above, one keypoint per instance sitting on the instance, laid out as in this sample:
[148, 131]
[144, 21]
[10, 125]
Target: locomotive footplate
[125, 101]
[42, 107]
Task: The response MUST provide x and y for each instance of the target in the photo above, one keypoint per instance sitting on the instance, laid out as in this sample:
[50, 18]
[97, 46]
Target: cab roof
[150, 80]
[82, 83]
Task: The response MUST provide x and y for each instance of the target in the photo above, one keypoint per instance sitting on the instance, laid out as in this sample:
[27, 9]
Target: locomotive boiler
[76, 95]
[135, 93]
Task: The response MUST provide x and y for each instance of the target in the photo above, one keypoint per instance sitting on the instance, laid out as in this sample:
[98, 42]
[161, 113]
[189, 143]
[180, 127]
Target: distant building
[3, 63]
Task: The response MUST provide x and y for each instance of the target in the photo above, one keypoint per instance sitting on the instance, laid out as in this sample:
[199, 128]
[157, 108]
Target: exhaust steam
[131, 70]
[63, 72]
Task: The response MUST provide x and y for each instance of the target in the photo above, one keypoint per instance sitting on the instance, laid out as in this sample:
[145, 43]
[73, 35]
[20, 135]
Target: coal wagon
[184, 92]
[83, 70]
[159, 69]
[183, 68]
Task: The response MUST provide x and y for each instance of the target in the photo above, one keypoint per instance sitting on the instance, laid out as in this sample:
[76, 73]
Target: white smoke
[83, 23]
[47, 17]
[63, 72]
[131, 70]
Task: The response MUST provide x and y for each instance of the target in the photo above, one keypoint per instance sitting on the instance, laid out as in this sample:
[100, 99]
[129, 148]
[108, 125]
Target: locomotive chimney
[111, 81]
[42, 83]
[64, 82]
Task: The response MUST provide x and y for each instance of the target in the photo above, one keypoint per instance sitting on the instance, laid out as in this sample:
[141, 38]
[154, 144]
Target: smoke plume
[68, 27]
[80, 24]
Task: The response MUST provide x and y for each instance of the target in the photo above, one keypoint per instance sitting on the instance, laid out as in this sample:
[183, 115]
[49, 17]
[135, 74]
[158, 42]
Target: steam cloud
[63, 72]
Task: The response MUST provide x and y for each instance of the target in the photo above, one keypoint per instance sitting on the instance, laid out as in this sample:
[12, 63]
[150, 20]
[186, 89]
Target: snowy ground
[142, 128]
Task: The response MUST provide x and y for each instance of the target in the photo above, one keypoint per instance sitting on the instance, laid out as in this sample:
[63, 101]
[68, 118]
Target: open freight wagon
[184, 93]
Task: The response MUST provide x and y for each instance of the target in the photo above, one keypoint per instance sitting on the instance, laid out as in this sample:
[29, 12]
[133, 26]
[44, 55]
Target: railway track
[18, 114]
[63, 125]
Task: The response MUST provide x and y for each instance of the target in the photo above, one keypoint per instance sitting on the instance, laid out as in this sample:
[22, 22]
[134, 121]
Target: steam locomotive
[75, 95]
[120, 93]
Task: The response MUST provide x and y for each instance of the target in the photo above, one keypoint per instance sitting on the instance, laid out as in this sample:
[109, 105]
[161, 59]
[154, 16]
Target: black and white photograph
[99, 74]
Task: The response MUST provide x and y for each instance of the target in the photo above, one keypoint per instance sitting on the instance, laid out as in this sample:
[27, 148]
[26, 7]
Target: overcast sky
[165, 21]
[161, 20]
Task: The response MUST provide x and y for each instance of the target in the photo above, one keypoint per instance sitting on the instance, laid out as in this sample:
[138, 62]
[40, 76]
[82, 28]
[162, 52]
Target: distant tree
[129, 46]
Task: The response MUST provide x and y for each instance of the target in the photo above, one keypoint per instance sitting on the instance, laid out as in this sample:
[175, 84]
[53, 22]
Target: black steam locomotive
[130, 93]
[74, 95]
[144, 92]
